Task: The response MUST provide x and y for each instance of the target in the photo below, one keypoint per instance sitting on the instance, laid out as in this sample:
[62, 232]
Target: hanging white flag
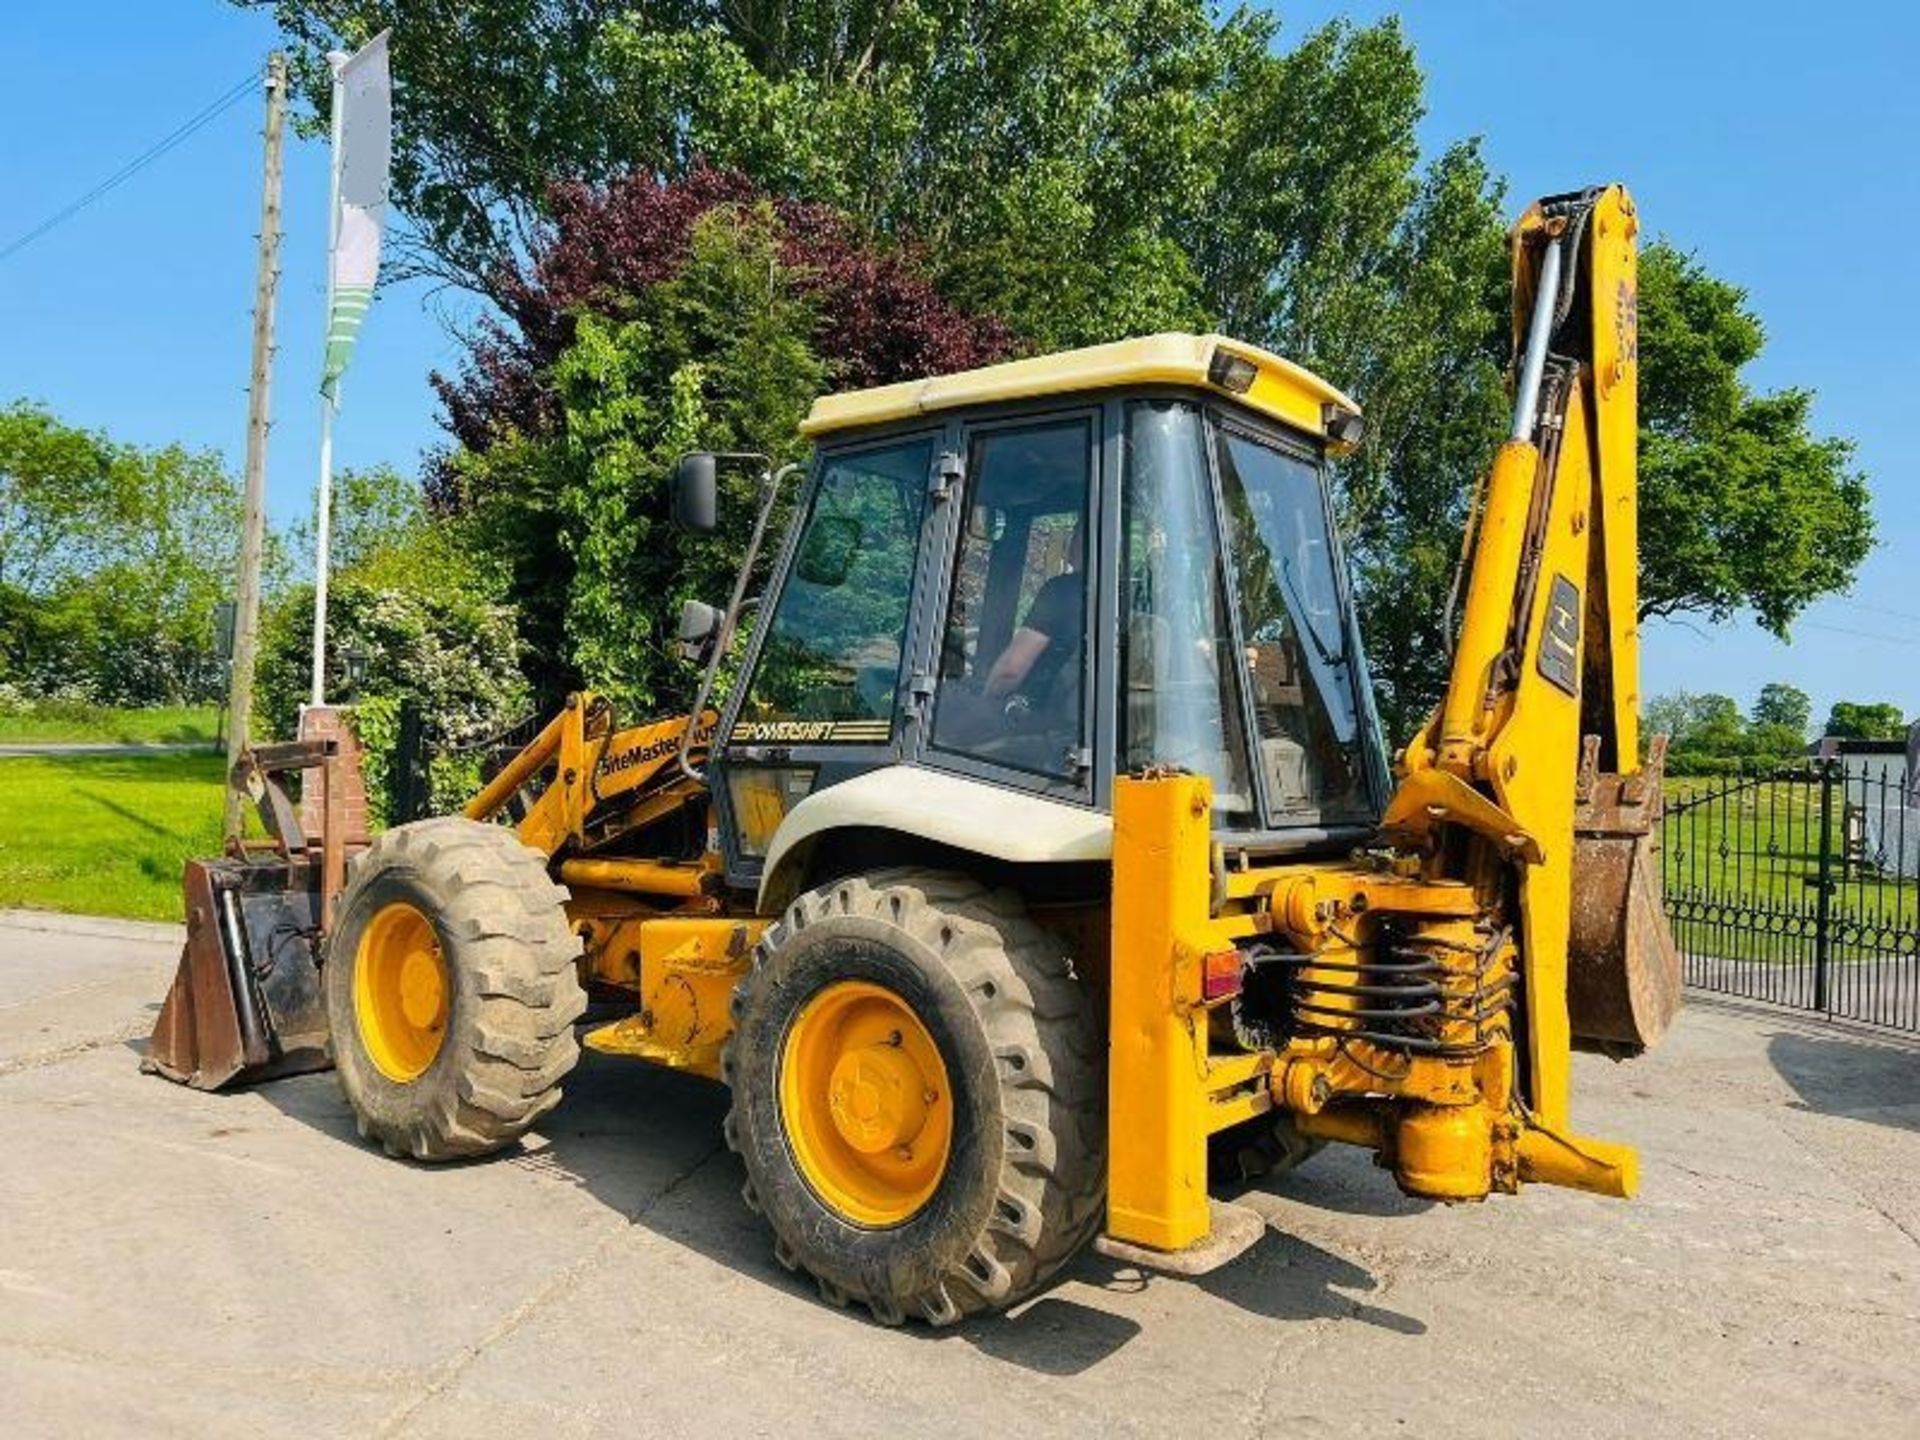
[362, 153]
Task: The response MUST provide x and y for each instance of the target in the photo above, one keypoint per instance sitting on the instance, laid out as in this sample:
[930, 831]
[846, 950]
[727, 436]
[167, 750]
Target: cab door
[821, 697]
[1004, 685]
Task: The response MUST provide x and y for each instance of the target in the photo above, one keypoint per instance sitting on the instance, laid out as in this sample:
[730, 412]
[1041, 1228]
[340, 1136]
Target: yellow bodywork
[865, 1103]
[1448, 1126]
[650, 928]
[683, 968]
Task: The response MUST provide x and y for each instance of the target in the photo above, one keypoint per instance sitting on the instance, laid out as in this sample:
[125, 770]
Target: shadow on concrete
[1054, 1335]
[1282, 1278]
[1859, 1077]
[647, 1144]
[1340, 1179]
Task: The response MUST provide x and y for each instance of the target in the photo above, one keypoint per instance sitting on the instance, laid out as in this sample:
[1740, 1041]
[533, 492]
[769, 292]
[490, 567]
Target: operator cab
[1043, 574]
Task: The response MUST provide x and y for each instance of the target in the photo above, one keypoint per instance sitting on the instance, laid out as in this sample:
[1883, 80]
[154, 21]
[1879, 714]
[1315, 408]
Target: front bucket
[246, 1002]
[1623, 972]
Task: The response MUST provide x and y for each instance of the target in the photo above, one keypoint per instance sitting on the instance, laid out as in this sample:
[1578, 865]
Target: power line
[1859, 634]
[136, 165]
[1876, 609]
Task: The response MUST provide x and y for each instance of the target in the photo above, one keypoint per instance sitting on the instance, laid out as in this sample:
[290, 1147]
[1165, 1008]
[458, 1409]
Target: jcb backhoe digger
[1044, 843]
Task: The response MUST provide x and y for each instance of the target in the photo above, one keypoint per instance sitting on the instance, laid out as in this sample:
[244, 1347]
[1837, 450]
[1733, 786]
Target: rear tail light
[1220, 975]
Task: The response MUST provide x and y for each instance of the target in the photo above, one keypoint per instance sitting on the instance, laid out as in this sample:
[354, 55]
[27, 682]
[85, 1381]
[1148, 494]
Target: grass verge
[55, 722]
[1739, 859]
[105, 835]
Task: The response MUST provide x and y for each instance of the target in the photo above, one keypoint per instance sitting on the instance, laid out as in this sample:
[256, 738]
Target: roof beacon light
[1231, 372]
[1343, 426]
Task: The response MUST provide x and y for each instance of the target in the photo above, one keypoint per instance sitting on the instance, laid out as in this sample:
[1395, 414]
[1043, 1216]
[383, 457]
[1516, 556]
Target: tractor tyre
[452, 988]
[919, 1095]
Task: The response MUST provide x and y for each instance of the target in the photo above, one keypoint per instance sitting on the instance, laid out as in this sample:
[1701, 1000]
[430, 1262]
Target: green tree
[60, 499]
[1777, 733]
[447, 648]
[375, 511]
[114, 556]
[1784, 705]
[1707, 732]
[715, 357]
[971, 127]
[1716, 726]
[1668, 714]
[428, 611]
[1855, 720]
[1088, 169]
[1742, 506]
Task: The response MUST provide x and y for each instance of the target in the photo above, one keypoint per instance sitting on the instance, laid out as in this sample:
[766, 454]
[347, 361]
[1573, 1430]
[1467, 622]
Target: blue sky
[1776, 144]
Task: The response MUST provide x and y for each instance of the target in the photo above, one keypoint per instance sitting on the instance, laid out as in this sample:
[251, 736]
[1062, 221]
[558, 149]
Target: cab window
[1299, 663]
[1012, 684]
[1179, 704]
[830, 667]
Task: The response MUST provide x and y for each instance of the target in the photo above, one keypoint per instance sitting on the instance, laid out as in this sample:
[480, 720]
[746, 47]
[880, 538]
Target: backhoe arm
[1533, 754]
[1573, 438]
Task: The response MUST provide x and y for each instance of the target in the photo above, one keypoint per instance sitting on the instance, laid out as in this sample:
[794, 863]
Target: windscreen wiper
[1328, 655]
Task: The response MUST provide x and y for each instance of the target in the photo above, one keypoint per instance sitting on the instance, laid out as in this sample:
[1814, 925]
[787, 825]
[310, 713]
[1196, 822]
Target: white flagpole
[320, 547]
[327, 406]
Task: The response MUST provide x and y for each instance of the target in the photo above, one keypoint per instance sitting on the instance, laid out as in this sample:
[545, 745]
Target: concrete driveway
[174, 1263]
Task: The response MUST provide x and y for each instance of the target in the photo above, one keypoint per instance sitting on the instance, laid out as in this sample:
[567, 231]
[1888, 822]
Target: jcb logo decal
[1560, 640]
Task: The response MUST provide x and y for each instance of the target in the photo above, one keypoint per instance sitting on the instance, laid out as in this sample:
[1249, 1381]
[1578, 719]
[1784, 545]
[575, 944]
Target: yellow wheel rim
[401, 993]
[865, 1104]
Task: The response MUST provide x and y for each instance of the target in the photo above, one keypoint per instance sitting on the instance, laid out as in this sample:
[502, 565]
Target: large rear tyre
[918, 1096]
[452, 989]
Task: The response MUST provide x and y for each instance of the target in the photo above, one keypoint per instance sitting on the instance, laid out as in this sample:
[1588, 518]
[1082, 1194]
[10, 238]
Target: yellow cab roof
[1279, 388]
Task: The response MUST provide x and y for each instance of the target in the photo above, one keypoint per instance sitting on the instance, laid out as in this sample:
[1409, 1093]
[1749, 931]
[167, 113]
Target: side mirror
[699, 625]
[695, 497]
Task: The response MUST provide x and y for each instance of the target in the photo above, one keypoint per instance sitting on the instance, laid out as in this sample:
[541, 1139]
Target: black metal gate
[1800, 886]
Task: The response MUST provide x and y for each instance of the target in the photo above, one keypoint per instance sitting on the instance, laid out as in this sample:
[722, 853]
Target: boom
[1535, 747]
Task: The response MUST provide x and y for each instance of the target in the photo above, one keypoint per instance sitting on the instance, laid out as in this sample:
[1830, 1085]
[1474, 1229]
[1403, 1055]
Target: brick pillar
[327, 722]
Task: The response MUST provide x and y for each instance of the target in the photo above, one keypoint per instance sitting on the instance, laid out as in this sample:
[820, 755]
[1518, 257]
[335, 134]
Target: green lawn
[105, 835]
[1743, 856]
[54, 721]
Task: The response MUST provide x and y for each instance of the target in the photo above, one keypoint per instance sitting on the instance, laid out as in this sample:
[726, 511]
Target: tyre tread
[495, 899]
[1038, 1024]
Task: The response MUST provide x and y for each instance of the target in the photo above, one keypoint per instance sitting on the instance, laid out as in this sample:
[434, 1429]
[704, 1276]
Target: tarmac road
[173, 1263]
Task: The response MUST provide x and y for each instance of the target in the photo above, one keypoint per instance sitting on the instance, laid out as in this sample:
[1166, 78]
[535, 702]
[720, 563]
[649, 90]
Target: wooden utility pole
[246, 626]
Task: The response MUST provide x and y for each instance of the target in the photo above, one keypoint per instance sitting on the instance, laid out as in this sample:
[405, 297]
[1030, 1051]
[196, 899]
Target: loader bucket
[246, 1002]
[1623, 972]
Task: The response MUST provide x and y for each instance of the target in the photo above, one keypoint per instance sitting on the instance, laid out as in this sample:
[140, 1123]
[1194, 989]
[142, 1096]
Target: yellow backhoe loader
[1044, 844]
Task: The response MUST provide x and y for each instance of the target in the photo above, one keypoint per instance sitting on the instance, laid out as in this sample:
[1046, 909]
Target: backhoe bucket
[1623, 972]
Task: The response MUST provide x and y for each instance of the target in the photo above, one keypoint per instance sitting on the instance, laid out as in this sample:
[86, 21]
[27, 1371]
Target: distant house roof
[1828, 747]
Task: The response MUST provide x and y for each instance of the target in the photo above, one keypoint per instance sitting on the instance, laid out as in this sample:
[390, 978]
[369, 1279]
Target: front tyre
[918, 1095]
[452, 987]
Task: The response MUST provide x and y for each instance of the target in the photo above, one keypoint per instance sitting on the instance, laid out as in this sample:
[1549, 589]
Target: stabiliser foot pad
[1233, 1230]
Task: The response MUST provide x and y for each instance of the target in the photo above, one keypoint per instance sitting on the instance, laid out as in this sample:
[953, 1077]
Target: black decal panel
[1560, 640]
